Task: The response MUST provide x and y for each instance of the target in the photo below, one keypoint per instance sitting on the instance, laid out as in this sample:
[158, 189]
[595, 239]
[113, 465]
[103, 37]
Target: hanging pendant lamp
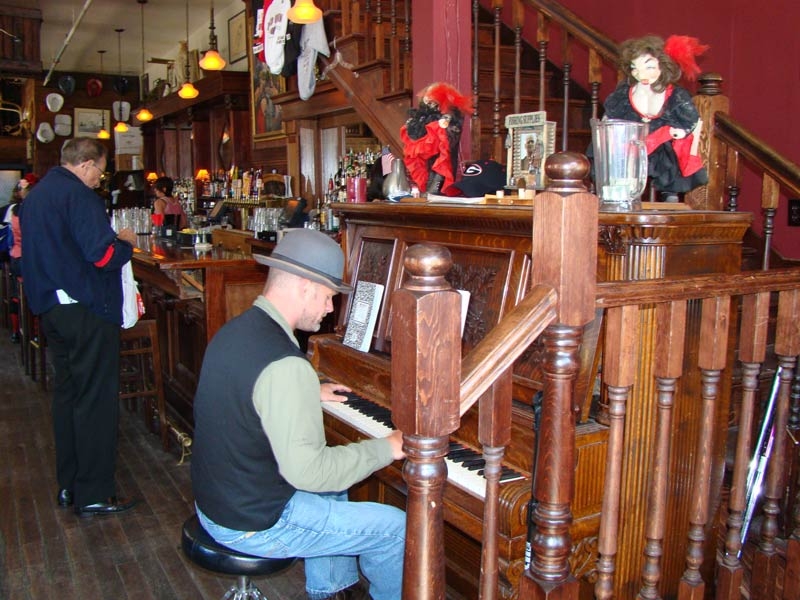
[103, 134]
[304, 12]
[187, 91]
[212, 61]
[143, 115]
[121, 126]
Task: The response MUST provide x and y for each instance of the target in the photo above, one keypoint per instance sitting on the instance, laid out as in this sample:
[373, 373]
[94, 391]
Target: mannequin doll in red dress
[431, 136]
[648, 94]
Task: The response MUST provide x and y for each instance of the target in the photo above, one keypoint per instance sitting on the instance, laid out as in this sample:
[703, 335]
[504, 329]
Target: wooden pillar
[444, 27]
[565, 258]
[426, 375]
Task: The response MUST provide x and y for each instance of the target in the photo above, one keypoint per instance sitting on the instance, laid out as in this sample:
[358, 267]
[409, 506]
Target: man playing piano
[264, 480]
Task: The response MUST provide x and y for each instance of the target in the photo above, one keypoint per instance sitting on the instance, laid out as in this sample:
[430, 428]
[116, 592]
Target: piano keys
[464, 465]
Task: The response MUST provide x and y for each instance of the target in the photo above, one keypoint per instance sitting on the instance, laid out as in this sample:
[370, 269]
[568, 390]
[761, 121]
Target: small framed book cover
[363, 315]
[533, 139]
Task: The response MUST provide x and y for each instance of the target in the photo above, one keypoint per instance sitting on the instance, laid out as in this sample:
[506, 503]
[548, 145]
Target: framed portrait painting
[266, 115]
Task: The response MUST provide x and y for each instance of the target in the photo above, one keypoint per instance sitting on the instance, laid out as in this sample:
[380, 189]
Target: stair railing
[763, 336]
[738, 146]
[551, 18]
[432, 388]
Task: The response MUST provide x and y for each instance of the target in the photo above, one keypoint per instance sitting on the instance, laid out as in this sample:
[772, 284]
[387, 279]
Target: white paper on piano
[439, 199]
[363, 315]
[464, 308]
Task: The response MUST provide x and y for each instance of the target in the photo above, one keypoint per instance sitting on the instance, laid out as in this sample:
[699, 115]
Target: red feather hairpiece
[447, 97]
[683, 50]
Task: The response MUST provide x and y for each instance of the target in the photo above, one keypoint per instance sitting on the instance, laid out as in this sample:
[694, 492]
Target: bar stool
[33, 346]
[200, 548]
[5, 291]
[141, 376]
[37, 349]
[24, 332]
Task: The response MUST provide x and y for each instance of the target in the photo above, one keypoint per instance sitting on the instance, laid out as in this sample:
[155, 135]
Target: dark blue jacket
[65, 232]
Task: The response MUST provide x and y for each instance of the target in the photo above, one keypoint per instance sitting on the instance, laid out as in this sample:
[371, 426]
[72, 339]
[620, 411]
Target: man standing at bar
[71, 268]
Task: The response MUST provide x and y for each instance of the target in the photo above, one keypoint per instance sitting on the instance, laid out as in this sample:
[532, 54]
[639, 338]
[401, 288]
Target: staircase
[371, 65]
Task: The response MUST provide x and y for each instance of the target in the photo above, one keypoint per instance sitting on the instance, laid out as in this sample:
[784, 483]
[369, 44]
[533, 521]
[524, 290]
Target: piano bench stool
[200, 548]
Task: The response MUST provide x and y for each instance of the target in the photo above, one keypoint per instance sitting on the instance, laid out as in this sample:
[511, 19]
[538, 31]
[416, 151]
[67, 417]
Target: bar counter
[191, 294]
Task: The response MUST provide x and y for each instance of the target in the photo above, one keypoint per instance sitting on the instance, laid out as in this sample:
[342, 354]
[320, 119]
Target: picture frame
[88, 121]
[532, 141]
[237, 37]
[266, 116]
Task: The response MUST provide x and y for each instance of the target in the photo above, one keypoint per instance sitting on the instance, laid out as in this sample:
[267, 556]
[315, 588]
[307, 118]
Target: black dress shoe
[112, 506]
[64, 498]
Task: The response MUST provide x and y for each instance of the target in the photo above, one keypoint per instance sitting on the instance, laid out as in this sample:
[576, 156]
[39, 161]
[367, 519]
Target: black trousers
[85, 352]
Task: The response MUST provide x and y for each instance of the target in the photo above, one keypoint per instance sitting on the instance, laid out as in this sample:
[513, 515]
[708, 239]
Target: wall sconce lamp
[303, 12]
[212, 61]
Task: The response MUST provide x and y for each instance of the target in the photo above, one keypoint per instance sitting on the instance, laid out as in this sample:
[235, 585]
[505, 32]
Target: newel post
[426, 375]
[564, 255]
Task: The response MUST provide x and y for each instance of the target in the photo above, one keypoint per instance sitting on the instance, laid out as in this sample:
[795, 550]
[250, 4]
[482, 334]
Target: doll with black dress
[649, 94]
[431, 137]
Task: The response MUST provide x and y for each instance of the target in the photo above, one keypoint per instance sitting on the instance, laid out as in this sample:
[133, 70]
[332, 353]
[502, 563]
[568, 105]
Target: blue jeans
[331, 534]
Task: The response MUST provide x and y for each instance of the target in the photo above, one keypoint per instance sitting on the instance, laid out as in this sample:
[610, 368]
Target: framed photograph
[266, 115]
[237, 37]
[89, 121]
[532, 141]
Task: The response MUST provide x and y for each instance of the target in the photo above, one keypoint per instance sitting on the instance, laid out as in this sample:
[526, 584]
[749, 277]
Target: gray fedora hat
[310, 254]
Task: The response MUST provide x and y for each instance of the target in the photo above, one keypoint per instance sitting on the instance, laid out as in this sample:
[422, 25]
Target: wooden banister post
[709, 100]
[712, 357]
[787, 348]
[426, 375]
[564, 254]
[752, 352]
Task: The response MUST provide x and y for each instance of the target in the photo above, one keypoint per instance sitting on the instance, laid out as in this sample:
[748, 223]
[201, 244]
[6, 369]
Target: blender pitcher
[620, 163]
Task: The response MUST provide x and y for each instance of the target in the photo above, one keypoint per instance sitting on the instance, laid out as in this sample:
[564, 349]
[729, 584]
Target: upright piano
[491, 252]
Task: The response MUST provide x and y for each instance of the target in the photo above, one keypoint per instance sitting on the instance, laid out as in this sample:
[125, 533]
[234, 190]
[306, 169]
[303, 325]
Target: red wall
[756, 49]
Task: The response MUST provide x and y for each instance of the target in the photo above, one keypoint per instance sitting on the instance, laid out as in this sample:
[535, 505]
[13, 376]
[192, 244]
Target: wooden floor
[47, 552]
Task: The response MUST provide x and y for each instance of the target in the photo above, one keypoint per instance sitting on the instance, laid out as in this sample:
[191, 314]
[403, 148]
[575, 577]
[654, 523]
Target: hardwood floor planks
[48, 552]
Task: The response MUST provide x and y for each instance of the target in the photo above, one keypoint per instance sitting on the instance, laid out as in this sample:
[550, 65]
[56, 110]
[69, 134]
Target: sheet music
[363, 315]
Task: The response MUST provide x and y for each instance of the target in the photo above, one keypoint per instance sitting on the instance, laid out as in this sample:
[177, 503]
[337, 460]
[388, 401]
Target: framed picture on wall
[89, 121]
[237, 37]
[265, 114]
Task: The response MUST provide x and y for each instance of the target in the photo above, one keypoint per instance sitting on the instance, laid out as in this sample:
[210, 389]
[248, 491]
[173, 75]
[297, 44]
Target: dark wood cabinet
[208, 132]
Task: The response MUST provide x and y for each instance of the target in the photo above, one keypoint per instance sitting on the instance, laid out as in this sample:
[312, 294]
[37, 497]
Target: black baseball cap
[479, 178]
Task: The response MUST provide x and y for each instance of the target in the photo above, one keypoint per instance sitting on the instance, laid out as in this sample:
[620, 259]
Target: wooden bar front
[191, 294]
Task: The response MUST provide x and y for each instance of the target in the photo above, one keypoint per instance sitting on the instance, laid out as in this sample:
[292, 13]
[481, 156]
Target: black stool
[202, 550]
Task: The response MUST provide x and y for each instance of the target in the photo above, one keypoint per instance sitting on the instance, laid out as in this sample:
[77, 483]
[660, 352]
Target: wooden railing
[747, 328]
[736, 313]
[736, 146]
[432, 388]
[552, 20]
